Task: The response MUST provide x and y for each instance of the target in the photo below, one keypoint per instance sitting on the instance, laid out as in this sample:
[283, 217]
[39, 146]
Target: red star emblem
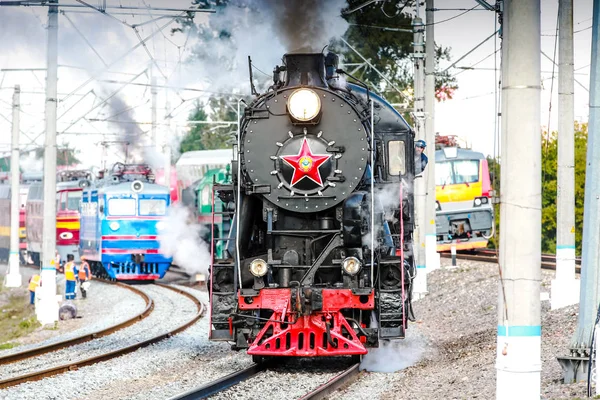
[306, 164]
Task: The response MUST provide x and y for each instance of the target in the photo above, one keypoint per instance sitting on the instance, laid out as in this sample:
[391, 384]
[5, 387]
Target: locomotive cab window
[124, 207]
[73, 200]
[396, 157]
[153, 207]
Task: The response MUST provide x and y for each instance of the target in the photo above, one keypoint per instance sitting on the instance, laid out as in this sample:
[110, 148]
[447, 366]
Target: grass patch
[17, 319]
[6, 346]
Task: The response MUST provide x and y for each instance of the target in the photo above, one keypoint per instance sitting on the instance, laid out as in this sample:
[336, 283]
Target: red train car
[5, 200]
[68, 196]
[175, 185]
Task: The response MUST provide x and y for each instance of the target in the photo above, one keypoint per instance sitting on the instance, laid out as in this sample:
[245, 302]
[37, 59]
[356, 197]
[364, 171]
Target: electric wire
[547, 138]
[454, 17]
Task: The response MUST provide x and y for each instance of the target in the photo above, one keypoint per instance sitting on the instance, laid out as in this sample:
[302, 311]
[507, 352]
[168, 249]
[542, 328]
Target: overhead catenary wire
[471, 51]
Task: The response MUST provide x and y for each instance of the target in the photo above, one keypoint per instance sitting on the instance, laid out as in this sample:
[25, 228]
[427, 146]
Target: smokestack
[305, 69]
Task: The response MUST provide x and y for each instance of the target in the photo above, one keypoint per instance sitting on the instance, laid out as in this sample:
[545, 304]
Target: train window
[205, 196]
[121, 206]
[63, 201]
[73, 200]
[443, 173]
[466, 171]
[456, 172]
[153, 207]
[396, 157]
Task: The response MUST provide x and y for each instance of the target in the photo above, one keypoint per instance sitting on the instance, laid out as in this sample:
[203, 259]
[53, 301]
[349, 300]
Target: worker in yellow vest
[70, 278]
[34, 282]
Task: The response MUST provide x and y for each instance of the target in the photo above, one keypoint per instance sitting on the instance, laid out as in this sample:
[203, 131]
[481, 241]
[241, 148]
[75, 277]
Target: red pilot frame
[322, 333]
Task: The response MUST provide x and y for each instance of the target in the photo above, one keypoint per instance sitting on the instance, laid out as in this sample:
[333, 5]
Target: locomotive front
[300, 280]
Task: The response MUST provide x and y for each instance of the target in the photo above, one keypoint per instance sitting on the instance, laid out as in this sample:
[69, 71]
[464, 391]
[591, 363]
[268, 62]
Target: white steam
[31, 163]
[395, 355]
[181, 239]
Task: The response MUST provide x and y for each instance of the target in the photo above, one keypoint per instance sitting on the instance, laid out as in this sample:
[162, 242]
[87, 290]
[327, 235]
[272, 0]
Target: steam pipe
[239, 197]
[372, 195]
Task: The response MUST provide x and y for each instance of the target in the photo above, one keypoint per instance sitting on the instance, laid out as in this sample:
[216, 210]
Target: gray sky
[23, 45]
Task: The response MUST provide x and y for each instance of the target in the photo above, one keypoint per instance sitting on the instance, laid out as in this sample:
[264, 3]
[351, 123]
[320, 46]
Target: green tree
[211, 136]
[65, 156]
[378, 34]
[549, 188]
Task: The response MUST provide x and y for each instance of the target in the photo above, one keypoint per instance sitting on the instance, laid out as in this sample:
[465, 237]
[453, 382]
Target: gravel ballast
[170, 311]
[451, 349]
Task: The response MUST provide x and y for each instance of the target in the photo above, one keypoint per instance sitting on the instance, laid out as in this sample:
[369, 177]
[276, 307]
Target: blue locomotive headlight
[114, 225]
[160, 225]
[304, 105]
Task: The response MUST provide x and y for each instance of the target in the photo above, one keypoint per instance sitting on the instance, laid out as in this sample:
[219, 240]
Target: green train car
[203, 190]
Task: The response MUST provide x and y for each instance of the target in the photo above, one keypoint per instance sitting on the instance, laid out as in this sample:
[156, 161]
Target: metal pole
[13, 278]
[590, 254]
[167, 146]
[421, 278]
[518, 356]
[432, 257]
[565, 288]
[153, 93]
[47, 306]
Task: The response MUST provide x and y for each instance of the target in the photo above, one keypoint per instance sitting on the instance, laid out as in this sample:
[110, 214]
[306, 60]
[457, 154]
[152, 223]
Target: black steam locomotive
[320, 256]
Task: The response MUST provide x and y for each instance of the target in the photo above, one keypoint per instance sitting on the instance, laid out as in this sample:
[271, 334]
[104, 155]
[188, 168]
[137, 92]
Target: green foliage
[375, 34]
[16, 317]
[549, 188]
[64, 156]
[211, 136]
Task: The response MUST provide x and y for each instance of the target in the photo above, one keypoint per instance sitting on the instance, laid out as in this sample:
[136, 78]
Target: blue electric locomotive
[121, 218]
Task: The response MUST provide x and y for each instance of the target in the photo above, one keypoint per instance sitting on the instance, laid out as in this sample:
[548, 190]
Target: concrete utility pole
[47, 306]
[518, 356]
[565, 288]
[576, 365]
[167, 145]
[153, 93]
[13, 278]
[432, 257]
[418, 55]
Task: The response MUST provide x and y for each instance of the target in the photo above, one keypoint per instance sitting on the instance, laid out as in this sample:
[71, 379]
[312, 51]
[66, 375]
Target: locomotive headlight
[258, 267]
[160, 225]
[114, 225]
[477, 201]
[351, 265]
[304, 105]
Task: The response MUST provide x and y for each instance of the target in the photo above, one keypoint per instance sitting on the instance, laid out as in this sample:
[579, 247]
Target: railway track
[33, 376]
[548, 260]
[37, 351]
[202, 392]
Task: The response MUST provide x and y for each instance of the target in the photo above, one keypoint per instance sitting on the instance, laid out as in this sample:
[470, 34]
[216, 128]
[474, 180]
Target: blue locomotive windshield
[123, 207]
[153, 206]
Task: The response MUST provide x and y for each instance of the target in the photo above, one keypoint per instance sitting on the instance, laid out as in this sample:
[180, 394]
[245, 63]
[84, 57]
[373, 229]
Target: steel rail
[37, 351]
[548, 260]
[223, 383]
[75, 365]
[342, 379]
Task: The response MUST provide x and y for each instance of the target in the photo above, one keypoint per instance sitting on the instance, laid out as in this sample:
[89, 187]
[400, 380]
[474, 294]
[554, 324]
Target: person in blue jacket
[421, 159]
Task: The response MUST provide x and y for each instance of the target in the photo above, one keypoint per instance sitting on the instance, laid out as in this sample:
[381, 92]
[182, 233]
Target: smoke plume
[307, 25]
[181, 239]
[264, 30]
[395, 355]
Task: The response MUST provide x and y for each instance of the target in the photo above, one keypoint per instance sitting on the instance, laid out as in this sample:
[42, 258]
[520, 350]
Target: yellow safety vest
[70, 271]
[34, 282]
